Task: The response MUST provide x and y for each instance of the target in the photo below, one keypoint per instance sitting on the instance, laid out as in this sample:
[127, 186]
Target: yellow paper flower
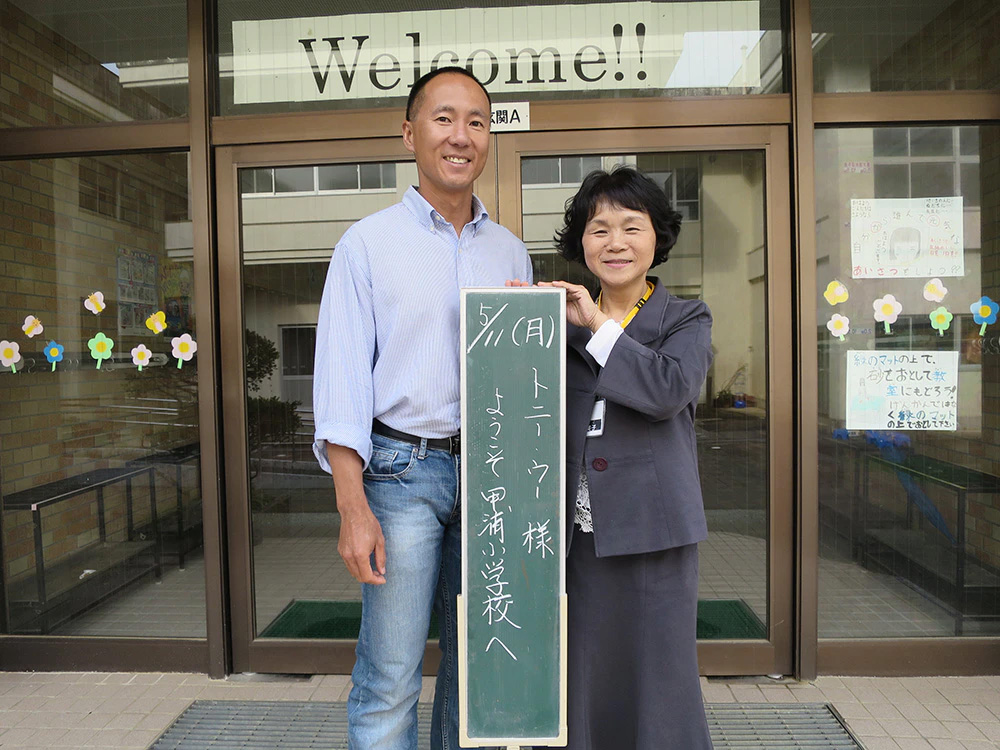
[157, 322]
[835, 292]
[32, 326]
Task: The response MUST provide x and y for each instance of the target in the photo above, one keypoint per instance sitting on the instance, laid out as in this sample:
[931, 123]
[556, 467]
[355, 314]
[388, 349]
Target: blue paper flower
[54, 353]
[984, 312]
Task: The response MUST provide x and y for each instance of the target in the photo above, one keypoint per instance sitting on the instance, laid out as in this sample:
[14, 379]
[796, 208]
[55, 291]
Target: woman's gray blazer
[645, 493]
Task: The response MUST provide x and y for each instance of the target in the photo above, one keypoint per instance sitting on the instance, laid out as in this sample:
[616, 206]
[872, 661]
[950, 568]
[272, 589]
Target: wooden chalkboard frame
[559, 601]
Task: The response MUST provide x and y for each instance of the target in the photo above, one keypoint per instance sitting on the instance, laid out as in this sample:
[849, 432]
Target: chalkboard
[512, 615]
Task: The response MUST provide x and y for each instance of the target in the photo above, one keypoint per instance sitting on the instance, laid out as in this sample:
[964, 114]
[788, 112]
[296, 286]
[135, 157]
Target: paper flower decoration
[839, 326]
[141, 356]
[835, 292]
[184, 348]
[984, 312]
[54, 353]
[157, 322]
[887, 309]
[95, 302]
[32, 326]
[934, 290]
[100, 348]
[10, 354]
[941, 320]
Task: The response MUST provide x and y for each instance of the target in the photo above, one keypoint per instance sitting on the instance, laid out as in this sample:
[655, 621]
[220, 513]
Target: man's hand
[360, 531]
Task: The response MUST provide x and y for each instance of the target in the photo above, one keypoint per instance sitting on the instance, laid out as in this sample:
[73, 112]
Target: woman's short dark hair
[625, 187]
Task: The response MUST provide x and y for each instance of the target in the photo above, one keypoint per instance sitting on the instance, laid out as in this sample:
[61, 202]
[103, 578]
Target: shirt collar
[428, 216]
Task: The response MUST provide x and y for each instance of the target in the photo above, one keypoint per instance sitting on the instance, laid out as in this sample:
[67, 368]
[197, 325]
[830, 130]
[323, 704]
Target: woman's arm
[662, 379]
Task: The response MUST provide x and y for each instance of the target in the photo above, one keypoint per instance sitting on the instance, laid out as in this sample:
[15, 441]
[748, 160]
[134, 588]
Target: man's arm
[360, 531]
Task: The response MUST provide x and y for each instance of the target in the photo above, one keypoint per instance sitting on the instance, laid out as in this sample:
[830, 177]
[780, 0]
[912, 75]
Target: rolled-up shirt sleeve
[343, 400]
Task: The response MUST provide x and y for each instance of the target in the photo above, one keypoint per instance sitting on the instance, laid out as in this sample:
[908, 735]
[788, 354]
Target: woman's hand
[581, 310]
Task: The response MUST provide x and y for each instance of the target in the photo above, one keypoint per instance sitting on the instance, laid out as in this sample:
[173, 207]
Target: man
[387, 405]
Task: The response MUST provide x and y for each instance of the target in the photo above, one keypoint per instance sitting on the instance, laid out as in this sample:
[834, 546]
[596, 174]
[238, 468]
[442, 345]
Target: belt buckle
[455, 444]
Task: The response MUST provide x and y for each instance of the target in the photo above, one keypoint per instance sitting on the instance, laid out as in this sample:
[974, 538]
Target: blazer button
[600, 464]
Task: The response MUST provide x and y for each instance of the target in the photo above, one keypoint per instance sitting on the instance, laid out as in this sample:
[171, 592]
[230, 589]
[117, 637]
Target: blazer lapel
[578, 338]
[646, 324]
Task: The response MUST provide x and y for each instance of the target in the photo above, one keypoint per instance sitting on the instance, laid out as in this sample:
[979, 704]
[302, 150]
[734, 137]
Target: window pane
[890, 142]
[571, 170]
[908, 485]
[968, 141]
[931, 142]
[540, 171]
[294, 180]
[905, 45]
[930, 179]
[892, 180]
[682, 49]
[388, 175]
[338, 177]
[81, 63]
[970, 184]
[589, 164]
[91, 392]
[371, 176]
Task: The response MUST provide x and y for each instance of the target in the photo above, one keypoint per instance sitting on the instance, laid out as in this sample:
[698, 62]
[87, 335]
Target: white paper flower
[839, 326]
[95, 302]
[141, 356]
[32, 326]
[934, 290]
[887, 309]
[184, 348]
[10, 354]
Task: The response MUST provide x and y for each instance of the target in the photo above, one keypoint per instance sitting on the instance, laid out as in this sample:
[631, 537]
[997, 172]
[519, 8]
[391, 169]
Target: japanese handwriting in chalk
[498, 600]
[538, 538]
[525, 331]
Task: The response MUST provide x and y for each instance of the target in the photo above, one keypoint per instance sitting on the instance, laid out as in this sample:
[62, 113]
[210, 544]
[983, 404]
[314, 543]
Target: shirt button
[600, 464]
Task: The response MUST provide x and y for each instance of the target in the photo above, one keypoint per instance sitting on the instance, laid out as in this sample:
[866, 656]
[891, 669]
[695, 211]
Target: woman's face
[618, 246]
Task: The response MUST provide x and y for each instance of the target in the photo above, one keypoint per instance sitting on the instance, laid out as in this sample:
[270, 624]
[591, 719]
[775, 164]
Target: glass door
[730, 185]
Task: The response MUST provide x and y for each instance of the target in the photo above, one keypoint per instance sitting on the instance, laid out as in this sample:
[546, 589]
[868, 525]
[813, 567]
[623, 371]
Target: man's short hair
[624, 187]
[413, 102]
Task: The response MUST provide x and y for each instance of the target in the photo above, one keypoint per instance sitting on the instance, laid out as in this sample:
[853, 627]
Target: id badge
[596, 427]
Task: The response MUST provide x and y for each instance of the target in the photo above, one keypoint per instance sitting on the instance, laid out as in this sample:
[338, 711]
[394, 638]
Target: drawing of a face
[904, 244]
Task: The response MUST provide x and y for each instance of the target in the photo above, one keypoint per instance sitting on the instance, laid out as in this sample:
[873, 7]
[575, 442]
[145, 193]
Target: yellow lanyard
[635, 309]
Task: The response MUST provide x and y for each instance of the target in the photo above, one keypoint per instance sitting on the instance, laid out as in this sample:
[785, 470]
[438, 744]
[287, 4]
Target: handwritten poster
[512, 612]
[907, 237]
[902, 390]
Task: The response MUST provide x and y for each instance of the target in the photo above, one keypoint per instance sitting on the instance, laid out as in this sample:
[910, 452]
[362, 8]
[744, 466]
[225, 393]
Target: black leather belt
[451, 444]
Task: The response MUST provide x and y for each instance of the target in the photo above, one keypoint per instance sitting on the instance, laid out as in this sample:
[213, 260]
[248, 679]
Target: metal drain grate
[291, 725]
[739, 726]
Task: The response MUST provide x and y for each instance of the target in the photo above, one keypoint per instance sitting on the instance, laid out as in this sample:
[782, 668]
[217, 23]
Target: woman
[636, 360]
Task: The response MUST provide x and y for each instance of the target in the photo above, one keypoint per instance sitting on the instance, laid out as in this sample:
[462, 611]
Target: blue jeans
[414, 494]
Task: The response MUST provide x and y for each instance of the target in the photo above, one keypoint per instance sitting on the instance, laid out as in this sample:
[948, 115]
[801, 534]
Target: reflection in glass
[720, 258]
[80, 63]
[301, 587]
[99, 448]
[908, 512]
[906, 45]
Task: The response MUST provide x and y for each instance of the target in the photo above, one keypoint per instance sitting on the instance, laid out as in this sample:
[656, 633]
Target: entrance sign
[551, 48]
[907, 237]
[509, 117]
[512, 614]
[902, 390]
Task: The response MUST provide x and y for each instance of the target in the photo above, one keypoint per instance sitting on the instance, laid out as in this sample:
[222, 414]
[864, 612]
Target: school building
[174, 177]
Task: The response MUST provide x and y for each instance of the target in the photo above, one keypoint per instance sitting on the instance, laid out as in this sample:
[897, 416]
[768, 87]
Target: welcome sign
[597, 46]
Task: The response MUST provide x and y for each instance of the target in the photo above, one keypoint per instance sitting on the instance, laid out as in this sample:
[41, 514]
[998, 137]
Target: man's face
[449, 134]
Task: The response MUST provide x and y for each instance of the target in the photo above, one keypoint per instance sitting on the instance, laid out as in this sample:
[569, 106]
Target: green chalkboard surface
[512, 614]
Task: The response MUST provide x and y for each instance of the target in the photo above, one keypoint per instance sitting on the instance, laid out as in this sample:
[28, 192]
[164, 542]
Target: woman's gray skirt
[633, 661]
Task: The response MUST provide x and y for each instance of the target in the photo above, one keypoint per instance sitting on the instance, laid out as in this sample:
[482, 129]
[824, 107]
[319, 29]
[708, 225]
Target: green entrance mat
[728, 619]
[718, 619]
